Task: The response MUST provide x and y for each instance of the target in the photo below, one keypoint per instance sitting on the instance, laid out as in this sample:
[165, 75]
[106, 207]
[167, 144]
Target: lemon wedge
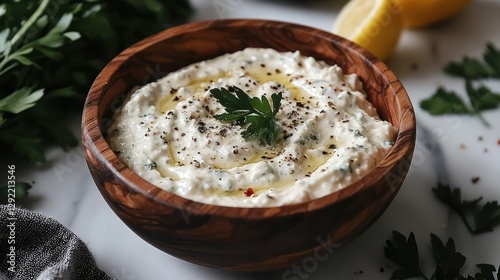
[423, 13]
[374, 24]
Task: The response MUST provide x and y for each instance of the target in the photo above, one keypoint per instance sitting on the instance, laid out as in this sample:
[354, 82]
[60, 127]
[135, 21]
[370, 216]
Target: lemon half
[374, 24]
[423, 13]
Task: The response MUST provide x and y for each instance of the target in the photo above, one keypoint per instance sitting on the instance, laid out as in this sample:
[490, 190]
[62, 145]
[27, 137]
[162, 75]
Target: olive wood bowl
[232, 238]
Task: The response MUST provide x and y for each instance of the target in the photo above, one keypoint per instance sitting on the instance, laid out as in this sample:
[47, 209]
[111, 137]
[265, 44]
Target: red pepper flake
[249, 192]
[498, 141]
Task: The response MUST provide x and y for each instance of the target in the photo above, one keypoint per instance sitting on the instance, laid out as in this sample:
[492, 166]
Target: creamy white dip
[330, 137]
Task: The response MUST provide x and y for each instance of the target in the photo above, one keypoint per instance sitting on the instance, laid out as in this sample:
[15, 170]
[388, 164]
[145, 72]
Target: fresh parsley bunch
[50, 53]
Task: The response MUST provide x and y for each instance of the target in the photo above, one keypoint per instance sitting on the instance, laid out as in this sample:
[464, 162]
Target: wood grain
[244, 239]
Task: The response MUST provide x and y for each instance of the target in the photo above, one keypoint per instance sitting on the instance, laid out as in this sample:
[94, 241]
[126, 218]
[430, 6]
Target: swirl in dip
[330, 136]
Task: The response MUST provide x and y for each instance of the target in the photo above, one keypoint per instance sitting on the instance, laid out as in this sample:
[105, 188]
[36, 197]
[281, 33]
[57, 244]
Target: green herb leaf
[62, 25]
[492, 58]
[448, 261]
[473, 68]
[481, 98]
[487, 217]
[256, 113]
[4, 35]
[20, 100]
[487, 272]
[404, 253]
[445, 102]
[484, 218]
[469, 68]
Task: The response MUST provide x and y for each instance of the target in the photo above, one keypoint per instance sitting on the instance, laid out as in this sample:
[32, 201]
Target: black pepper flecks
[475, 179]
[202, 129]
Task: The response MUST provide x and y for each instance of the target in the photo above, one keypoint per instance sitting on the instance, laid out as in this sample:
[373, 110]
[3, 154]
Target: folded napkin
[33, 246]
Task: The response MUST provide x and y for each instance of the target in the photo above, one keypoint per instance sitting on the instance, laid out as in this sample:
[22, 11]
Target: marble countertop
[451, 149]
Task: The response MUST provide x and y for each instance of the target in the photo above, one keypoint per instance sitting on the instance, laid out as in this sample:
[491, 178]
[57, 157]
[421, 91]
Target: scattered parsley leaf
[487, 217]
[469, 68]
[487, 272]
[257, 113]
[492, 58]
[448, 102]
[449, 263]
[404, 253]
[484, 218]
[473, 68]
[445, 102]
[480, 98]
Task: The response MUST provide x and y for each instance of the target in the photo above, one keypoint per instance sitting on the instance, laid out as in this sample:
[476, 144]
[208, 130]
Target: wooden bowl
[243, 239]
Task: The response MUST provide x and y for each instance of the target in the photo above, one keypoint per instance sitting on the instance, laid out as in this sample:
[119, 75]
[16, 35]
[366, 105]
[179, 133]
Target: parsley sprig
[449, 262]
[256, 112]
[473, 68]
[477, 218]
[481, 98]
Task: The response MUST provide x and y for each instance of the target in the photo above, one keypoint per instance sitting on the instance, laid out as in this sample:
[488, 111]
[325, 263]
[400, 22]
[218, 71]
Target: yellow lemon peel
[374, 24]
[423, 13]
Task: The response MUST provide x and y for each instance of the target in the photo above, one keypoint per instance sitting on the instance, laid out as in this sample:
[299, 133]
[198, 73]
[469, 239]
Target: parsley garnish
[477, 218]
[480, 97]
[256, 112]
[449, 262]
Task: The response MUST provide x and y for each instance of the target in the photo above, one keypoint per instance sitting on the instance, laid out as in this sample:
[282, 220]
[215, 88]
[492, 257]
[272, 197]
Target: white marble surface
[448, 149]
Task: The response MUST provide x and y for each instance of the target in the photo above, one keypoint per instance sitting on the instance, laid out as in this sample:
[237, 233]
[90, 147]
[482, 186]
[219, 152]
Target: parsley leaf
[480, 98]
[473, 68]
[445, 102]
[469, 68]
[20, 100]
[257, 113]
[448, 102]
[484, 218]
[449, 262]
[492, 58]
[404, 253]
[487, 272]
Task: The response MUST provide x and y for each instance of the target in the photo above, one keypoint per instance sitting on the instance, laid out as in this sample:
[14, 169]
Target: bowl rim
[91, 125]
